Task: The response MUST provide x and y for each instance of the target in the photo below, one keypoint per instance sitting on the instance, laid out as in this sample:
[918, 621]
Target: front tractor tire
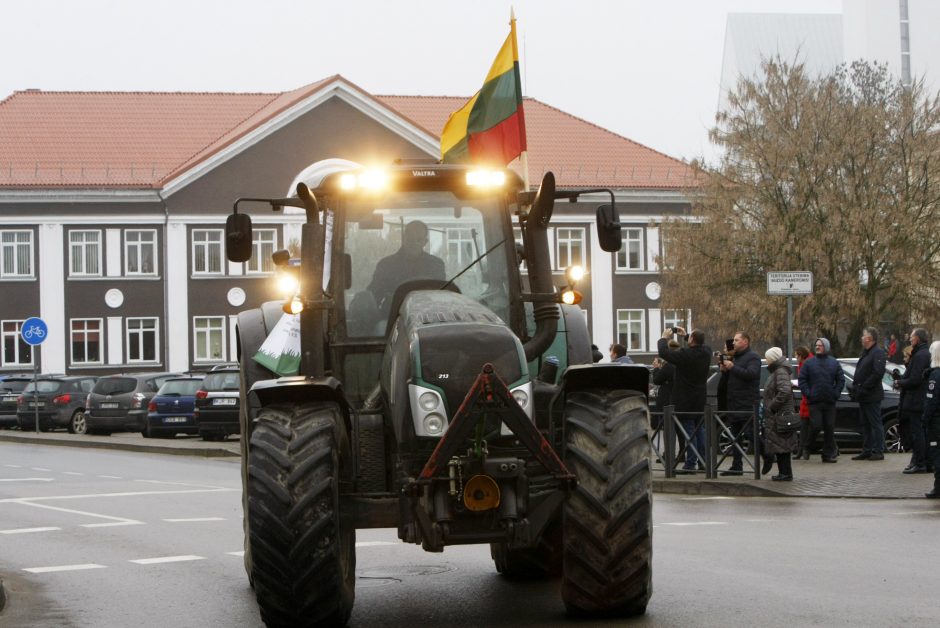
[608, 528]
[303, 555]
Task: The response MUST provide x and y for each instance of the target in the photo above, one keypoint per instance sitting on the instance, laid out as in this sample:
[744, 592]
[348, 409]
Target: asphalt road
[101, 538]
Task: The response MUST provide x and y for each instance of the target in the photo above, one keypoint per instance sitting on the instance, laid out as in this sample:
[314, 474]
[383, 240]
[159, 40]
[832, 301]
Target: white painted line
[63, 568]
[702, 499]
[111, 477]
[179, 484]
[373, 543]
[166, 559]
[71, 473]
[40, 469]
[27, 530]
[696, 523]
[13, 466]
[194, 519]
[112, 524]
[122, 520]
[25, 479]
[904, 513]
[25, 500]
[241, 553]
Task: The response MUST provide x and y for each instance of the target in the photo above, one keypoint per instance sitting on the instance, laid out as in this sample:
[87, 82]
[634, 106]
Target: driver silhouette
[408, 263]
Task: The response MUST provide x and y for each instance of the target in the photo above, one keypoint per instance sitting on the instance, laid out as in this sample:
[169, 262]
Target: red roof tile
[145, 139]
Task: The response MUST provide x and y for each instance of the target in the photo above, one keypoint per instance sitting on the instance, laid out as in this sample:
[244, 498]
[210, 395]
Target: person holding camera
[913, 386]
[868, 391]
[689, 393]
[741, 371]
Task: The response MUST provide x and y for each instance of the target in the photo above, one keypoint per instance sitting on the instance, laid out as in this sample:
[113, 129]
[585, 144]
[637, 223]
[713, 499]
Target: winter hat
[773, 354]
[825, 344]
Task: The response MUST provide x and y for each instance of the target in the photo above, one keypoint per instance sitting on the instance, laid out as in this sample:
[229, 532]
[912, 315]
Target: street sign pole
[790, 329]
[36, 385]
[34, 331]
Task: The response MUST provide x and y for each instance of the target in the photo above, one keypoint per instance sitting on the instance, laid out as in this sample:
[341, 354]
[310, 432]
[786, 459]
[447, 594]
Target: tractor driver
[409, 263]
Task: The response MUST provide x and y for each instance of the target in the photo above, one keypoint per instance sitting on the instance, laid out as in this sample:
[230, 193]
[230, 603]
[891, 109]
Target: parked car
[217, 404]
[118, 403]
[10, 389]
[60, 401]
[170, 412]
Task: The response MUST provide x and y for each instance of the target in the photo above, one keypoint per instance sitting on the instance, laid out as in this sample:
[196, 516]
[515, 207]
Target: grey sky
[646, 70]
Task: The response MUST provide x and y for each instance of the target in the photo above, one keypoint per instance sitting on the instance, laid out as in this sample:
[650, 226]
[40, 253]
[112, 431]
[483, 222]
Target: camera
[727, 354]
[895, 374]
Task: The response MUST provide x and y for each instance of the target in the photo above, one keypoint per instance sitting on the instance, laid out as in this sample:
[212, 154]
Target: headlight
[429, 401]
[368, 180]
[571, 297]
[521, 397]
[486, 178]
[287, 284]
[574, 274]
[434, 424]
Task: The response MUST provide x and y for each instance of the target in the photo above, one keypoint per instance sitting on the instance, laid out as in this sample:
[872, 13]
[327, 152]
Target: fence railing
[725, 432]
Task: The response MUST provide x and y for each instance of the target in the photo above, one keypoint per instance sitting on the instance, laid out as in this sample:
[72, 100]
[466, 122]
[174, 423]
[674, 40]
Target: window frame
[258, 256]
[642, 332]
[128, 333]
[19, 343]
[625, 240]
[139, 245]
[207, 245]
[556, 264]
[15, 245]
[84, 245]
[86, 330]
[196, 333]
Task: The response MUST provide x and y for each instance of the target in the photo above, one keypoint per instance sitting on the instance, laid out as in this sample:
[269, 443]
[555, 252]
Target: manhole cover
[405, 571]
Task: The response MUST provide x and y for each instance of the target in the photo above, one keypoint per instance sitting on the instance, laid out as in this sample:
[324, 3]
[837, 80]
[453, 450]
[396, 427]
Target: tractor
[455, 401]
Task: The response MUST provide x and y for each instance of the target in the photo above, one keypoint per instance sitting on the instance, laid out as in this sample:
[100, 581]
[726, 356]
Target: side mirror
[544, 202]
[238, 237]
[608, 228]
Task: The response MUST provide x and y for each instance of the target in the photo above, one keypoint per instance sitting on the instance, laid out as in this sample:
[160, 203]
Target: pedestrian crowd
[684, 364]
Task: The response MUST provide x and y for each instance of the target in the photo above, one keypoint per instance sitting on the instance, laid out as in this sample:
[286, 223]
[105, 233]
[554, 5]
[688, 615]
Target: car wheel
[893, 437]
[77, 424]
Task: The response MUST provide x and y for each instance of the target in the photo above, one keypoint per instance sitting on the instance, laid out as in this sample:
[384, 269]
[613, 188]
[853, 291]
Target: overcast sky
[646, 70]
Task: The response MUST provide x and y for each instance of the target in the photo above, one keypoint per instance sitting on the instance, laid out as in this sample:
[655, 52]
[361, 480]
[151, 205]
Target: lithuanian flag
[490, 128]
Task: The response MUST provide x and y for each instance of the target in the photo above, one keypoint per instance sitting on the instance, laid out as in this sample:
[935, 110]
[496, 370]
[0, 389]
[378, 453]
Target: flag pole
[524, 155]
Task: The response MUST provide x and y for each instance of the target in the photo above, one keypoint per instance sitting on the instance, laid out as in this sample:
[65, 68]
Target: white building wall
[52, 297]
[115, 340]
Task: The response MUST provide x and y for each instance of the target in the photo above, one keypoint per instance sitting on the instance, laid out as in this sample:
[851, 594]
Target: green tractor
[442, 391]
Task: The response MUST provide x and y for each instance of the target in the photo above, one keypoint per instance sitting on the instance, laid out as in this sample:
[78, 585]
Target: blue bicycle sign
[34, 331]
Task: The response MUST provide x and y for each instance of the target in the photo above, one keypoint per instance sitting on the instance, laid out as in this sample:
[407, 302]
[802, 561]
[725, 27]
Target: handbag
[786, 422]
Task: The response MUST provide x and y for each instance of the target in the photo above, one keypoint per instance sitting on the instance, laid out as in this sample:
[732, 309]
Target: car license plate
[174, 419]
[37, 404]
[225, 401]
[109, 404]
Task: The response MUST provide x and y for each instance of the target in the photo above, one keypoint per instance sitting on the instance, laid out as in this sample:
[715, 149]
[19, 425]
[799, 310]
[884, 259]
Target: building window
[569, 248]
[207, 251]
[630, 255]
[460, 250]
[85, 253]
[631, 329]
[140, 252]
[210, 338]
[86, 341]
[15, 350]
[17, 258]
[676, 318]
[263, 242]
[142, 340]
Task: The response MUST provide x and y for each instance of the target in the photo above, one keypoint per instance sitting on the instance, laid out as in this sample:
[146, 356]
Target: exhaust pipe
[540, 269]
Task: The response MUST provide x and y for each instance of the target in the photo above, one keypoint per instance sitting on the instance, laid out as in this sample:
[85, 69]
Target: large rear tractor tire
[303, 554]
[608, 527]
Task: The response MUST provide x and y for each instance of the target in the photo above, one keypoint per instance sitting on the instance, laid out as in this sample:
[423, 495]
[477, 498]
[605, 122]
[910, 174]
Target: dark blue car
[170, 412]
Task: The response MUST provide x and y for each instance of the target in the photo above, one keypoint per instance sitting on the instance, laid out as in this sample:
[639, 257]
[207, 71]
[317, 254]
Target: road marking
[374, 543]
[696, 523]
[40, 469]
[112, 524]
[25, 479]
[702, 499]
[13, 466]
[72, 473]
[166, 559]
[179, 484]
[241, 553]
[915, 512]
[194, 519]
[64, 568]
[121, 520]
[111, 477]
[9, 500]
[27, 530]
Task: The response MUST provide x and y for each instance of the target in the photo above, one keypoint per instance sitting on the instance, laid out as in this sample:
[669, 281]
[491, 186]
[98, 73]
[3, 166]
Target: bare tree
[838, 175]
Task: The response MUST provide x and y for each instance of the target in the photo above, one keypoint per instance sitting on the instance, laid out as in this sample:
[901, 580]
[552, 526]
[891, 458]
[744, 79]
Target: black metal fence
[725, 432]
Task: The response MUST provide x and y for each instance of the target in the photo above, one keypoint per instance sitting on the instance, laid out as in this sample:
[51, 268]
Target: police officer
[932, 416]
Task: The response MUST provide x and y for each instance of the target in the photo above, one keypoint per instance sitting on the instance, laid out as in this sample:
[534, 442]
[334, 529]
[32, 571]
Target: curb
[203, 452]
[714, 487]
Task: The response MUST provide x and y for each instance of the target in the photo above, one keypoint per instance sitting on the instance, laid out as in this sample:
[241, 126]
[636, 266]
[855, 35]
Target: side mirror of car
[608, 228]
[238, 237]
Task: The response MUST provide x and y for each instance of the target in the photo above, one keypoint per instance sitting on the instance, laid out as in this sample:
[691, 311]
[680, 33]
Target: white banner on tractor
[280, 352]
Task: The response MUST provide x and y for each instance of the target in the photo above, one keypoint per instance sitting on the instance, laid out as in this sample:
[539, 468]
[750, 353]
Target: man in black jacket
[689, 394]
[913, 386]
[821, 381]
[868, 390]
[741, 394]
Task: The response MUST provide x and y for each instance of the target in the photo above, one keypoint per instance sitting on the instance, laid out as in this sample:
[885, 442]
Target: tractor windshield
[426, 235]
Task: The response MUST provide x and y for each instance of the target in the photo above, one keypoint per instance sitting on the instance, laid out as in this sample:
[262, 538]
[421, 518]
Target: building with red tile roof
[112, 204]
